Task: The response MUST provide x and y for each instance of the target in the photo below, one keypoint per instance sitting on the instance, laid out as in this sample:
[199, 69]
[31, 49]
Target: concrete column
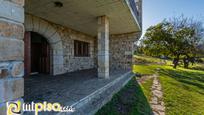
[11, 54]
[103, 47]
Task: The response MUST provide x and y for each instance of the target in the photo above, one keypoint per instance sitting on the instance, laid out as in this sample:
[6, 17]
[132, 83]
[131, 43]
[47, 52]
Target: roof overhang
[81, 15]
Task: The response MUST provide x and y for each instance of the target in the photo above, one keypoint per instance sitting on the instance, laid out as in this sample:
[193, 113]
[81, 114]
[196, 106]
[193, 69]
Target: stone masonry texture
[11, 52]
[62, 39]
[121, 50]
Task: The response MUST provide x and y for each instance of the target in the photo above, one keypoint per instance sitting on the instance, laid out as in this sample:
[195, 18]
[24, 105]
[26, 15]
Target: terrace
[81, 90]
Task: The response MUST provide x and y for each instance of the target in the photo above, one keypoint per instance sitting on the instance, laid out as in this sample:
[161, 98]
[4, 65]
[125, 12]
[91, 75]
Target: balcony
[134, 10]
[81, 15]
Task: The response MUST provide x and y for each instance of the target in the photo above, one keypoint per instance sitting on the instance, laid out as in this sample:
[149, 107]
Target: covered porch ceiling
[81, 15]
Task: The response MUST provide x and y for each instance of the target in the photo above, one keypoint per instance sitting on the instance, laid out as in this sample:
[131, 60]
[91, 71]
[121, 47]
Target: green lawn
[146, 88]
[183, 90]
[131, 100]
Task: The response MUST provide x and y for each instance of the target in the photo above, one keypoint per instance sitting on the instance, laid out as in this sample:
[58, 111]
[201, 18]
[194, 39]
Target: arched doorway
[37, 54]
[40, 54]
[53, 37]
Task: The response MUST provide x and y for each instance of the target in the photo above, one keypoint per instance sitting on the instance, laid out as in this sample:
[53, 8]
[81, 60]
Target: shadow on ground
[187, 79]
[198, 68]
[130, 100]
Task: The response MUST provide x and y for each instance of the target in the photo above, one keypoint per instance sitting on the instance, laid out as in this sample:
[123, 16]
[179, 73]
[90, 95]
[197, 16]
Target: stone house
[60, 36]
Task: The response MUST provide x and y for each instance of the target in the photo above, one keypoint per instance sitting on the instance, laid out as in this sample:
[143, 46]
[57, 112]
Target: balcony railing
[133, 6]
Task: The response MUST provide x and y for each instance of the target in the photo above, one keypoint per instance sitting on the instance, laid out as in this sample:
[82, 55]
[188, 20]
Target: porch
[81, 89]
[83, 34]
[78, 35]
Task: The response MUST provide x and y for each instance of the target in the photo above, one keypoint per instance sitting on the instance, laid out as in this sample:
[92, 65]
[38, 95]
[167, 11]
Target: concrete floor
[65, 89]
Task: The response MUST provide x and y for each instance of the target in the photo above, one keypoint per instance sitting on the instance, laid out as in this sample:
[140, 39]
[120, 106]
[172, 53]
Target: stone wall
[72, 63]
[121, 50]
[11, 52]
[61, 40]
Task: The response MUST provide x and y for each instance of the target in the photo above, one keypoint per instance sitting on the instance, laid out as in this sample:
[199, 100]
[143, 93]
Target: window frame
[81, 49]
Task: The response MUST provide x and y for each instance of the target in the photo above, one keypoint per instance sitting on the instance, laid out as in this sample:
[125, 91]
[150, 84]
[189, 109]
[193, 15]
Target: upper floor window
[81, 49]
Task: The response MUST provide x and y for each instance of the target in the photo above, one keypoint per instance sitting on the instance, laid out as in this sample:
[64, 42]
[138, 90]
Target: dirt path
[156, 102]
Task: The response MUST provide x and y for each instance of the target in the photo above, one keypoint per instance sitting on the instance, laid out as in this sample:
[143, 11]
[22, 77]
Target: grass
[183, 90]
[131, 100]
[151, 60]
[145, 69]
[146, 88]
[147, 59]
[198, 67]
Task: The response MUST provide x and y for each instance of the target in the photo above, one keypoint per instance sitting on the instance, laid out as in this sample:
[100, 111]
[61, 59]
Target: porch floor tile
[65, 89]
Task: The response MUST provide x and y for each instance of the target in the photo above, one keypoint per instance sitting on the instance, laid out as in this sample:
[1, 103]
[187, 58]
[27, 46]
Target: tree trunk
[186, 61]
[175, 61]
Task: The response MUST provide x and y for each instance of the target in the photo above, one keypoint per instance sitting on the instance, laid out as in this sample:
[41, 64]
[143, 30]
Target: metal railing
[133, 6]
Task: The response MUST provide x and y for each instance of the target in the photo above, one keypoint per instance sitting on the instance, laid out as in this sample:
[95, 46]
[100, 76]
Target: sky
[154, 11]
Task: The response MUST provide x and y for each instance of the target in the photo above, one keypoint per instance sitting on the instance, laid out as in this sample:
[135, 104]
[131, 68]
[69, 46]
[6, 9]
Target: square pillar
[11, 54]
[103, 47]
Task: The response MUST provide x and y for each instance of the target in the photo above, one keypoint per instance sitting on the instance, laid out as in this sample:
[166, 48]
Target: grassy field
[183, 90]
[131, 100]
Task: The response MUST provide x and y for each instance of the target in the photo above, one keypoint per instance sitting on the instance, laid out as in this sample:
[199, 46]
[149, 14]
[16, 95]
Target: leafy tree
[200, 48]
[177, 37]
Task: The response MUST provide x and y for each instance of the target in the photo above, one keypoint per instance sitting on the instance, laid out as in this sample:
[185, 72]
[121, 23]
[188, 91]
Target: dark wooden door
[40, 57]
[36, 54]
[27, 56]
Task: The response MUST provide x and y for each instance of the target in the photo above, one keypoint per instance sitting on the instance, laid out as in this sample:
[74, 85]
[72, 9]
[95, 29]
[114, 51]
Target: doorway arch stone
[44, 28]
